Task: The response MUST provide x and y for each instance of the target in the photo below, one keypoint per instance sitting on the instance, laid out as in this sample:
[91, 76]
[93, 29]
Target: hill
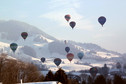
[39, 44]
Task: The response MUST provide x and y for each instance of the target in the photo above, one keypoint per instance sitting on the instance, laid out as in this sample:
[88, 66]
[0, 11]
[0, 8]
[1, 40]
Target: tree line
[12, 70]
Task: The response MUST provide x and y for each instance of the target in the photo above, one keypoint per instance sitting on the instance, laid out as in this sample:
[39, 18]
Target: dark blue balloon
[57, 61]
[80, 55]
[67, 49]
[102, 20]
[43, 59]
[72, 24]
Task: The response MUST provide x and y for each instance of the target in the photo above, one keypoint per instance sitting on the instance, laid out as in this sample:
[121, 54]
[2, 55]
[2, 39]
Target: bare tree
[11, 71]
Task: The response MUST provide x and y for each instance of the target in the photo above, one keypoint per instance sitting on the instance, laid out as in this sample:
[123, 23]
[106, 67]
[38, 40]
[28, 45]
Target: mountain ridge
[8, 30]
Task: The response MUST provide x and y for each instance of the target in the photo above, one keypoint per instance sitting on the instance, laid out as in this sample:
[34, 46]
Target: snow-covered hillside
[11, 30]
[39, 44]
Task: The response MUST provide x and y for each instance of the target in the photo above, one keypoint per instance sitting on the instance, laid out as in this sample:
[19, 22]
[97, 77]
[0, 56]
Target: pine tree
[104, 71]
[83, 82]
[124, 81]
[49, 76]
[118, 80]
[109, 81]
[90, 80]
[100, 80]
[72, 81]
[61, 76]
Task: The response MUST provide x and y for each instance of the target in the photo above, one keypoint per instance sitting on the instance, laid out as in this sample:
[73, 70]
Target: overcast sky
[48, 15]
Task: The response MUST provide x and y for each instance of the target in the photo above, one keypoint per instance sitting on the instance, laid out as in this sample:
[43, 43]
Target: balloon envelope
[57, 61]
[72, 24]
[24, 35]
[43, 59]
[70, 56]
[93, 71]
[102, 20]
[67, 17]
[67, 49]
[80, 55]
[13, 46]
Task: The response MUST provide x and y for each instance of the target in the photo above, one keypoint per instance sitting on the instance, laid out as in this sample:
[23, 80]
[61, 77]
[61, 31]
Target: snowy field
[37, 50]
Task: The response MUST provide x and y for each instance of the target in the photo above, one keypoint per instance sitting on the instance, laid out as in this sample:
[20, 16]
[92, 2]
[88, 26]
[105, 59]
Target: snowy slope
[88, 61]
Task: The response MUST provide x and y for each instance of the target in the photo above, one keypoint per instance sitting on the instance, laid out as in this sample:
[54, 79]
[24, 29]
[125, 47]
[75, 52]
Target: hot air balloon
[24, 35]
[72, 24]
[70, 56]
[93, 71]
[13, 46]
[80, 55]
[102, 20]
[67, 17]
[57, 61]
[67, 49]
[43, 59]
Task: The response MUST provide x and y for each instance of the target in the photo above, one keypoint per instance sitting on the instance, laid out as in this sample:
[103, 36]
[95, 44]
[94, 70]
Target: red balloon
[67, 17]
[24, 35]
[70, 56]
